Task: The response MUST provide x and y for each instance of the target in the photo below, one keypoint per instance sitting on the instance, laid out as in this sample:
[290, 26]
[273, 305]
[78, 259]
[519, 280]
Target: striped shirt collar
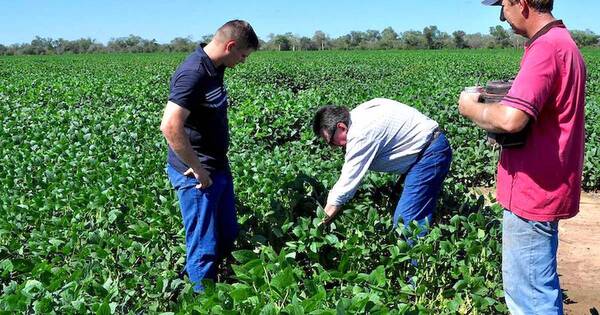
[544, 30]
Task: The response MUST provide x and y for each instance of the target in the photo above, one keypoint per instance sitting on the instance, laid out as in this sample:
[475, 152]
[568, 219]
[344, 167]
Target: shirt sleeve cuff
[334, 200]
[520, 104]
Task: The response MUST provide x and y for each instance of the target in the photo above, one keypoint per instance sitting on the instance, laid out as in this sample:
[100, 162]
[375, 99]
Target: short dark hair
[543, 6]
[240, 31]
[327, 118]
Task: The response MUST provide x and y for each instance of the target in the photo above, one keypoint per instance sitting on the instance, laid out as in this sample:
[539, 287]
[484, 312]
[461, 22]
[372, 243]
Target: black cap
[491, 2]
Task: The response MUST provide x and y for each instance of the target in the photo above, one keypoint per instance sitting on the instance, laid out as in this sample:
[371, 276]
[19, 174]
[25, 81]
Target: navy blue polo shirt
[198, 87]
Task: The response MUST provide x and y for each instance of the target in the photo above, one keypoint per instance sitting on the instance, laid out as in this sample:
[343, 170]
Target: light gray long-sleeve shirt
[383, 136]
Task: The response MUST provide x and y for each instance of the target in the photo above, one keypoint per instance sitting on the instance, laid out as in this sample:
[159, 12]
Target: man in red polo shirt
[540, 182]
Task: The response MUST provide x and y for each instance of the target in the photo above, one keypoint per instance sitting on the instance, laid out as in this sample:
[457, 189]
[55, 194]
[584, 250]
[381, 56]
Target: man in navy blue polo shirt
[196, 128]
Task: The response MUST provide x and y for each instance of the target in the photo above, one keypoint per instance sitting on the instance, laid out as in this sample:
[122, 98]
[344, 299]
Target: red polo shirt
[541, 181]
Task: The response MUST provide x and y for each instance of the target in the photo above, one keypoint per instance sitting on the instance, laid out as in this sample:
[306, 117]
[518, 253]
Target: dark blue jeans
[423, 183]
[210, 222]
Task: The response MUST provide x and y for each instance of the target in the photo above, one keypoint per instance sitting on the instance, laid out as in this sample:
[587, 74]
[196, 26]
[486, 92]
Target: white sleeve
[359, 156]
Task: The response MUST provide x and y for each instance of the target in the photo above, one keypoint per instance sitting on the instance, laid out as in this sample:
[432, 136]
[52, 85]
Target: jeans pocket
[544, 228]
[180, 181]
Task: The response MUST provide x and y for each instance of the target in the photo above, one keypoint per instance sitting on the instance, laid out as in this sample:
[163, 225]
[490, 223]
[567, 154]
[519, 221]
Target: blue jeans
[423, 184]
[210, 222]
[529, 266]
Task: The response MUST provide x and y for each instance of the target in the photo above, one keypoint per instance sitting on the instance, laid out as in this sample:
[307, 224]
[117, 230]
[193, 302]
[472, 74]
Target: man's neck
[537, 22]
[213, 51]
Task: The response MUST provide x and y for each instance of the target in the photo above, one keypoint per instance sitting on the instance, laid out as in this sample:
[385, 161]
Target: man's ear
[524, 5]
[342, 126]
[230, 45]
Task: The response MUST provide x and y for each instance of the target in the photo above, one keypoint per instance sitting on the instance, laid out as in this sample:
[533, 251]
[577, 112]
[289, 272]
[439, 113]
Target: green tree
[501, 36]
[389, 39]
[357, 38]
[281, 42]
[585, 38]
[459, 39]
[41, 46]
[321, 39]
[342, 42]
[371, 39]
[306, 44]
[433, 37]
[414, 40]
[182, 44]
[206, 38]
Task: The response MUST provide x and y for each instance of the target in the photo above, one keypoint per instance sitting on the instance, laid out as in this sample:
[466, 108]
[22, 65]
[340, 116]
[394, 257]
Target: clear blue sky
[22, 20]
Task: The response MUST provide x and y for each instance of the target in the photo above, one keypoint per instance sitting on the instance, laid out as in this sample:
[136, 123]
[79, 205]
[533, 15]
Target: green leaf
[460, 285]
[244, 256]
[269, 309]
[377, 276]
[315, 301]
[283, 279]
[240, 292]
[104, 309]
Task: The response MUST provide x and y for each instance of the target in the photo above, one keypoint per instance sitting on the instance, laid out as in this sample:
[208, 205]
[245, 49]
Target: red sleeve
[535, 81]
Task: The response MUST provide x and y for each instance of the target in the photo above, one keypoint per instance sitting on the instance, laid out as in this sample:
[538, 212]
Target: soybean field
[89, 222]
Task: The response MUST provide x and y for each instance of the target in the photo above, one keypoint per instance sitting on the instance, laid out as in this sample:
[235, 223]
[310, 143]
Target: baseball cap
[491, 2]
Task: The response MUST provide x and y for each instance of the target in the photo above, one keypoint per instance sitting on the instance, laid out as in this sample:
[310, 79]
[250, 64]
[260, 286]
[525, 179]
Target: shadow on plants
[281, 135]
[306, 194]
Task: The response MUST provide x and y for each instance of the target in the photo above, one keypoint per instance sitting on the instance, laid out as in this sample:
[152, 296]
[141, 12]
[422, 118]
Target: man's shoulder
[185, 76]
[555, 40]
[191, 69]
[376, 102]
[192, 65]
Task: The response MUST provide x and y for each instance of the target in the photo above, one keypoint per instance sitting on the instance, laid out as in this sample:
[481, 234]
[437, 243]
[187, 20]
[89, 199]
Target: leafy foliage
[89, 223]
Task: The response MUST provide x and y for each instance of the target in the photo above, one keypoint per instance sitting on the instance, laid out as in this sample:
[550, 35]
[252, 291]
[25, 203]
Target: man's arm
[172, 128]
[360, 154]
[492, 117]
[331, 211]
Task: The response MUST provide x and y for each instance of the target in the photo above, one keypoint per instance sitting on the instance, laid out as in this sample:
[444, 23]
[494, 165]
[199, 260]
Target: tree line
[429, 38]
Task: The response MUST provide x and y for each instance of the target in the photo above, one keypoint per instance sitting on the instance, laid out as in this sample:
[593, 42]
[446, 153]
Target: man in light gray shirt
[387, 136]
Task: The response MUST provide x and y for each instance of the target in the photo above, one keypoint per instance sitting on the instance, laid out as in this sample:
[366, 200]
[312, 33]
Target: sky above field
[21, 21]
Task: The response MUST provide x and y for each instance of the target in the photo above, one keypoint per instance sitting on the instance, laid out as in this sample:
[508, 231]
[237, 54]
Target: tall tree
[433, 37]
[357, 38]
[40, 45]
[389, 38]
[342, 42]
[414, 39]
[282, 42]
[321, 39]
[501, 36]
[306, 44]
[459, 39]
[182, 44]
[206, 38]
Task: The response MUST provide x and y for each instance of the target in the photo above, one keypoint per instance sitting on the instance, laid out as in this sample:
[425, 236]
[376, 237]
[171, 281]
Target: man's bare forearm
[180, 144]
[492, 117]
[481, 115]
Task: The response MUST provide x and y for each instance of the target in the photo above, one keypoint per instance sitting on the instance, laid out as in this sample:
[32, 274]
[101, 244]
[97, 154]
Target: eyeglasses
[331, 133]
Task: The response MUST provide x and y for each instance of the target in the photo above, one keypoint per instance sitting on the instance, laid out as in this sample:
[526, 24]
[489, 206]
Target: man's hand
[202, 175]
[465, 102]
[331, 211]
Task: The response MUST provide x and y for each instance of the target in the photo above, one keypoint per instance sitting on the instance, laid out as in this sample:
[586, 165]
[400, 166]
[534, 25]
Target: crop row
[89, 223]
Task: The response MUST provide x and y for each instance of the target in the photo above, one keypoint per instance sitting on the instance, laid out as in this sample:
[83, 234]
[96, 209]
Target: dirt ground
[578, 256]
